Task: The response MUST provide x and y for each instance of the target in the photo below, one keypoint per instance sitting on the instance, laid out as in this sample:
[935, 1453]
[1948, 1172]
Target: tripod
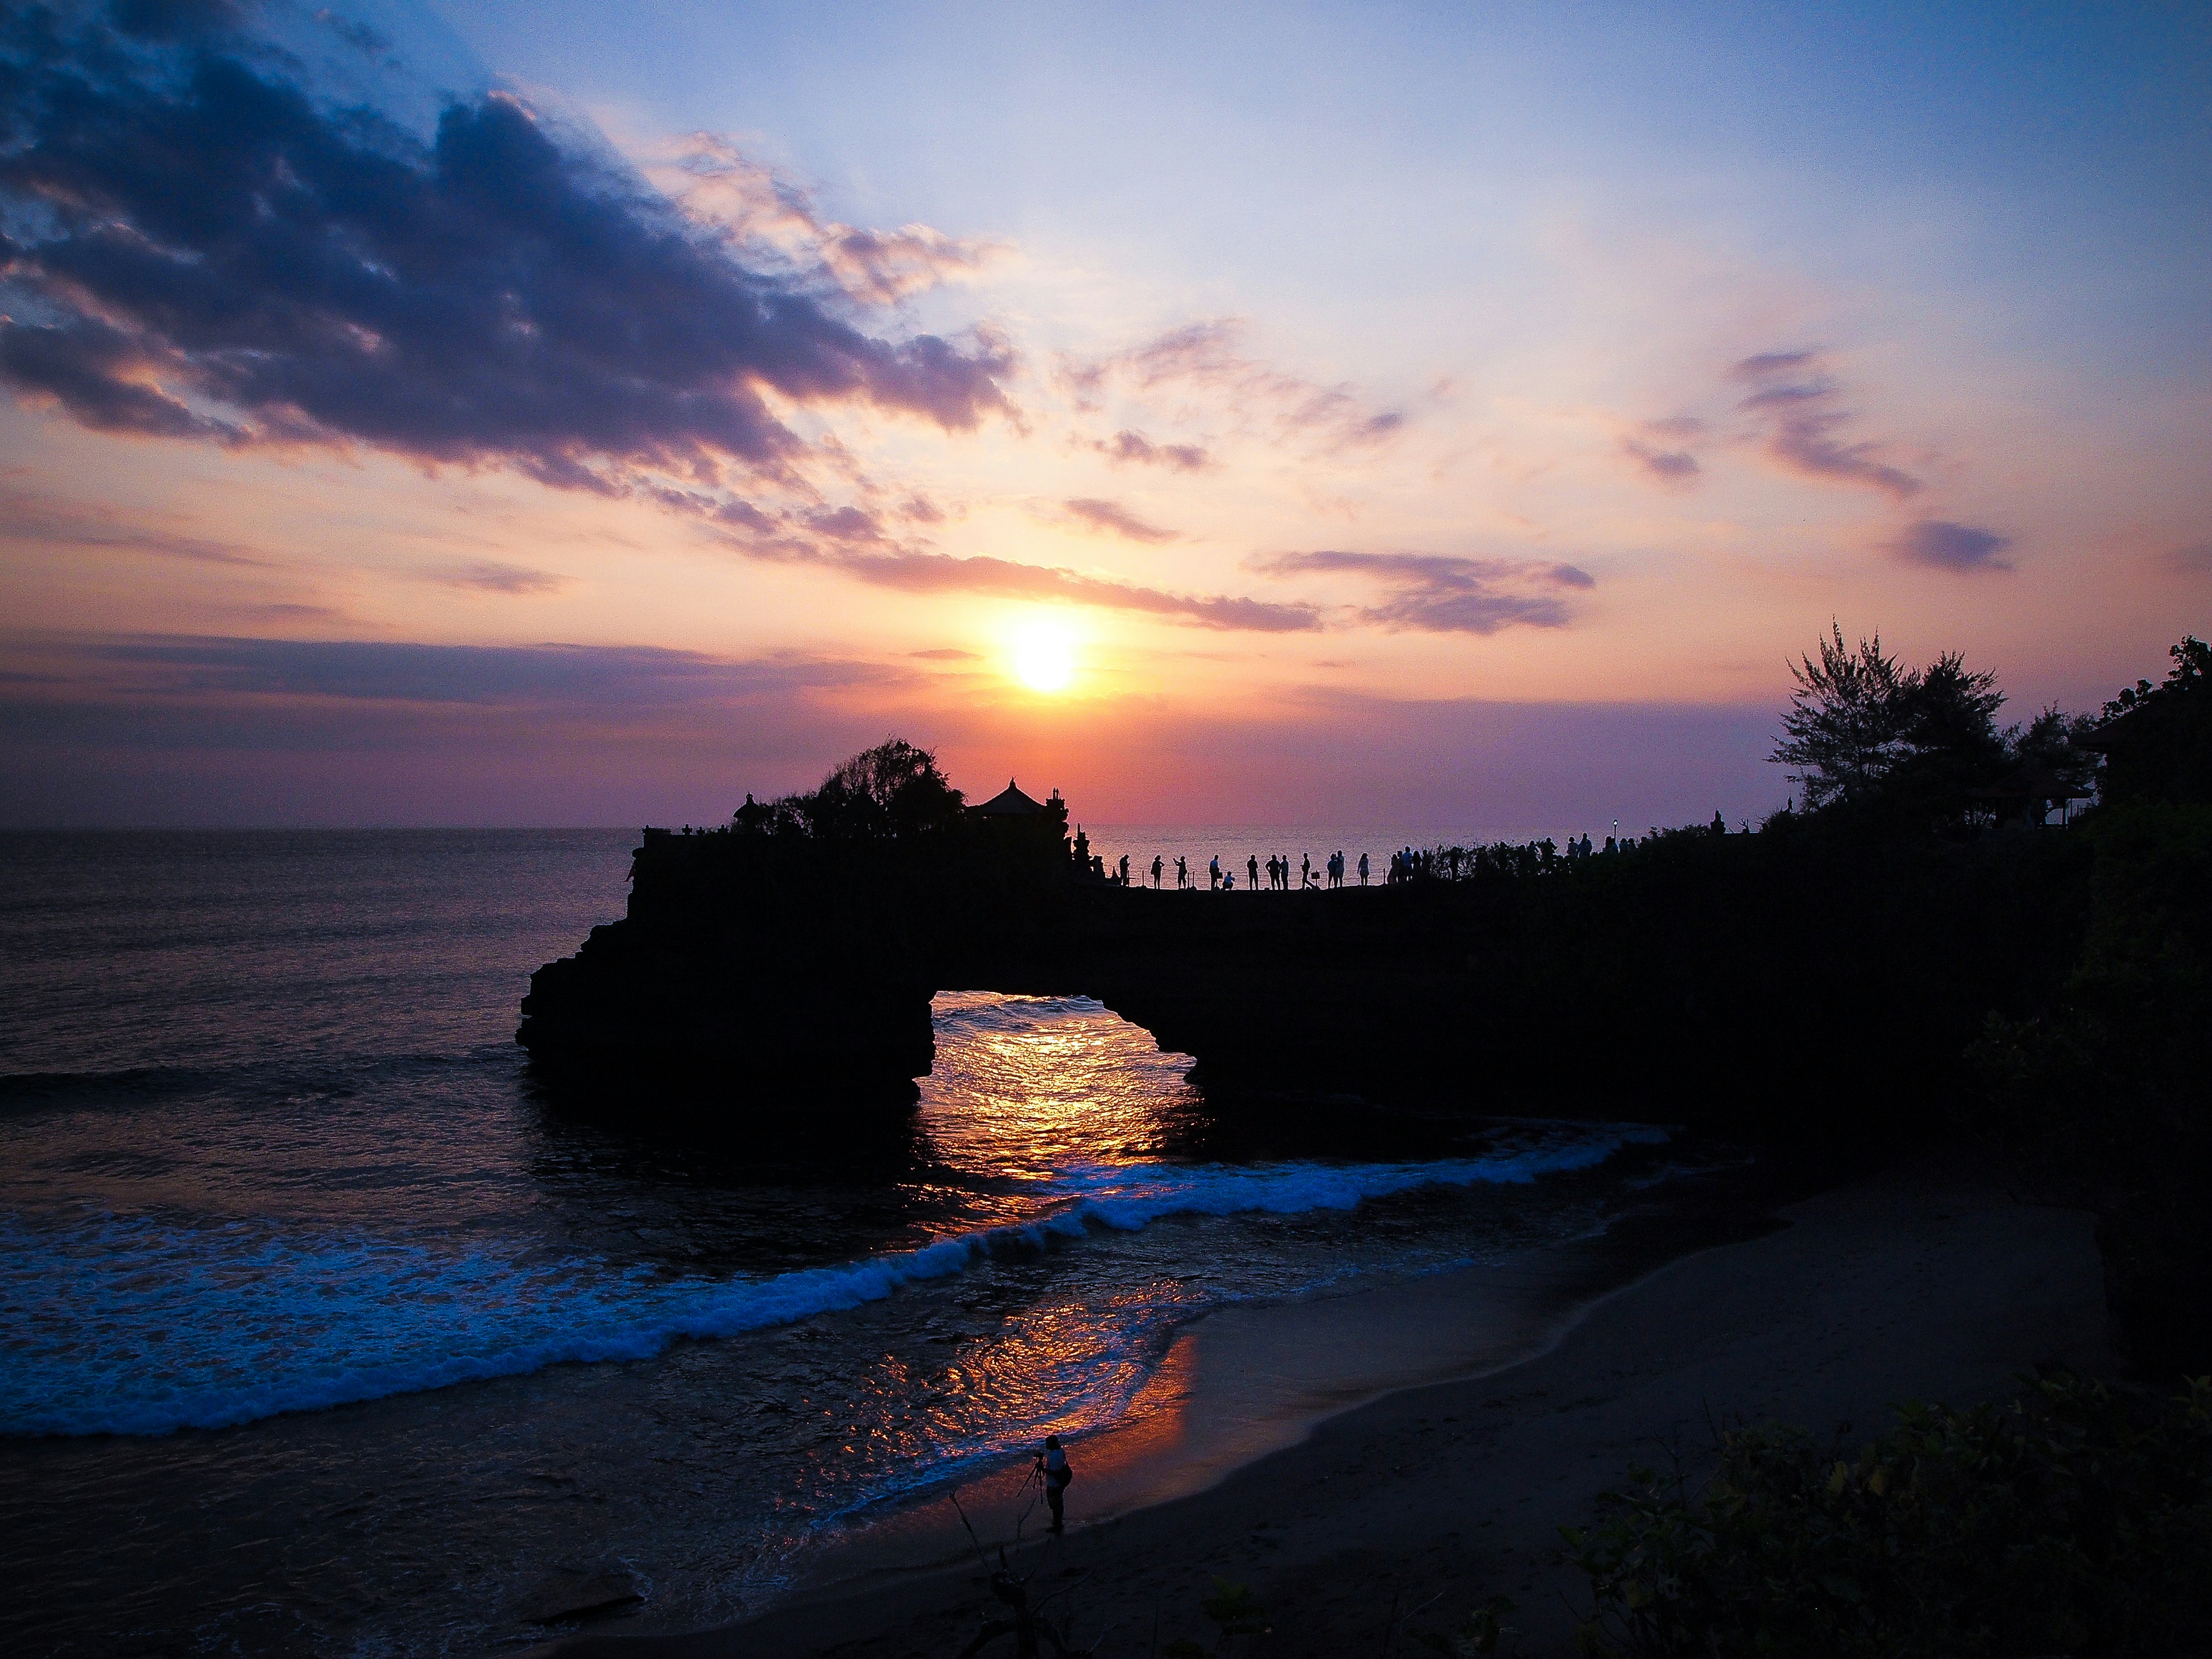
[1024, 1623]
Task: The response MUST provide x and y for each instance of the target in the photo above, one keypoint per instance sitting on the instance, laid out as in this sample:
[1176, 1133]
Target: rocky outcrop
[1737, 981]
[761, 971]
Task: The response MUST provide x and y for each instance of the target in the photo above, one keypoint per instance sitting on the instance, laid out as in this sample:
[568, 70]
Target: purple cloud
[849, 524]
[201, 251]
[1799, 406]
[44, 520]
[1116, 519]
[489, 576]
[577, 676]
[913, 570]
[1672, 466]
[1943, 545]
[1765, 364]
[1437, 594]
[1126, 445]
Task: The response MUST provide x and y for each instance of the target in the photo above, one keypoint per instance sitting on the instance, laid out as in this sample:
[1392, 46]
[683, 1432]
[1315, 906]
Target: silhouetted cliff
[1801, 980]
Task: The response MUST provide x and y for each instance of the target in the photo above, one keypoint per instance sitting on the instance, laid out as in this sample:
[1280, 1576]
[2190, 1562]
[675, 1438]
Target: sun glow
[1044, 657]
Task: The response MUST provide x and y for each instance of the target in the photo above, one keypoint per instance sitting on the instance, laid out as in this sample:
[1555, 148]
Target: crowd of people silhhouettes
[1274, 873]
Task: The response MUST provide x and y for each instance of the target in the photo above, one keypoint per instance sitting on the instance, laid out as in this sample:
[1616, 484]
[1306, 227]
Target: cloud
[855, 543]
[1662, 450]
[1798, 408]
[1672, 466]
[1437, 594]
[2194, 561]
[201, 251]
[848, 525]
[1205, 357]
[947, 653]
[491, 577]
[913, 572]
[1127, 446]
[45, 520]
[583, 677]
[1947, 546]
[1116, 519]
[767, 220]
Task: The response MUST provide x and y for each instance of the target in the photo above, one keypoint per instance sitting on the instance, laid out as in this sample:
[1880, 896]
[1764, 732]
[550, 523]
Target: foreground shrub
[2076, 1520]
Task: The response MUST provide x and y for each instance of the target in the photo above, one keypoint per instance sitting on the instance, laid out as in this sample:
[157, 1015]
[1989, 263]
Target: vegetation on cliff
[893, 792]
[2076, 1519]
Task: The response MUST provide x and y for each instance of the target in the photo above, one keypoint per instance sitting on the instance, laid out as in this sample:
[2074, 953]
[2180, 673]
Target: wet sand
[1395, 1516]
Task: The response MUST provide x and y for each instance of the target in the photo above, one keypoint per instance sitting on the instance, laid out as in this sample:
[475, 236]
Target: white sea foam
[132, 1326]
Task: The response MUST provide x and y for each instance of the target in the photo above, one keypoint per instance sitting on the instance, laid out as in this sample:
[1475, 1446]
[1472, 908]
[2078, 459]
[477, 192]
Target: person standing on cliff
[1051, 1466]
[1182, 873]
[1252, 873]
[1155, 870]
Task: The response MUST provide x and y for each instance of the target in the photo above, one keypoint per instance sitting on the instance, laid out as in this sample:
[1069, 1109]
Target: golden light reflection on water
[1033, 1102]
[1031, 1090]
[1072, 1149]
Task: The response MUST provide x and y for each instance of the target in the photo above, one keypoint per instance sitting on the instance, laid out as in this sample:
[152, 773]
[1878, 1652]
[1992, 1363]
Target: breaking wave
[136, 1326]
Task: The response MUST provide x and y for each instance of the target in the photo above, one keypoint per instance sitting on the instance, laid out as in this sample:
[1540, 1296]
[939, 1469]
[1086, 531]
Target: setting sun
[1044, 658]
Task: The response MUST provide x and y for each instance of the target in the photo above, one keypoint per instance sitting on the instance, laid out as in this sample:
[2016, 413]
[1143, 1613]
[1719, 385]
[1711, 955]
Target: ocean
[325, 1332]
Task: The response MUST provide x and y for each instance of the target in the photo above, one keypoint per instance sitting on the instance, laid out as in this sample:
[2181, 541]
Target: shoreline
[1412, 1504]
[1243, 1382]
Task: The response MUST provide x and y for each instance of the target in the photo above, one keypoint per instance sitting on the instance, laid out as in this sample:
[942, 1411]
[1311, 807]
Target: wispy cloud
[1207, 358]
[1134, 447]
[856, 543]
[1799, 409]
[1439, 593]
[583, 677]
[28, 517]
[1658, 448]
[1943, 545]
[1115, 520]
[489, 576]
[915, 572]
[771, 222]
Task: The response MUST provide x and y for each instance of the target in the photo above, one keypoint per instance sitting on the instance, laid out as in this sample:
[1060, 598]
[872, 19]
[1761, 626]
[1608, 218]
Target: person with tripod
[1052, 1467]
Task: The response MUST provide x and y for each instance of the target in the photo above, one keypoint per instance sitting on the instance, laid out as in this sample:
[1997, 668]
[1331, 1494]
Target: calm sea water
[323, 1333]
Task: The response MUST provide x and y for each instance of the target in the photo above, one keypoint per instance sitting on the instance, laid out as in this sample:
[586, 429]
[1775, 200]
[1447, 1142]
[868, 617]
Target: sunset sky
[584, 413]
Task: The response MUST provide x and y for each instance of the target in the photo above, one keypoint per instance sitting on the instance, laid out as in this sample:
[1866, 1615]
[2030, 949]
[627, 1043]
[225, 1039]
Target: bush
[2076, 1520]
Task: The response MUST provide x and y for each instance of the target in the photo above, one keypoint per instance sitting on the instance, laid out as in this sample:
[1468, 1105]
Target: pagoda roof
[1009, 803]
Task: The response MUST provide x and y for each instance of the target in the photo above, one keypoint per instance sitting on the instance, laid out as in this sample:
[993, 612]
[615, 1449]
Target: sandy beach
[1396, 1516]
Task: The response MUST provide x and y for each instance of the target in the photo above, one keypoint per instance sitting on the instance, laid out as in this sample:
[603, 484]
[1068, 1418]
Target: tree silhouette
[1862, 730]
[889, 792]
[1844, 729]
